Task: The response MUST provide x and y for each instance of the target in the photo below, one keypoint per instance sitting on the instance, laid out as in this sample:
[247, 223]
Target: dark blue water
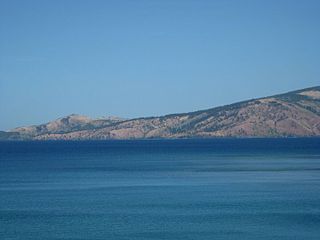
[173, 189]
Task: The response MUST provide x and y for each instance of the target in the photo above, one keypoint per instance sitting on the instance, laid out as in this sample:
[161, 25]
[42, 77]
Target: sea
[196, 189]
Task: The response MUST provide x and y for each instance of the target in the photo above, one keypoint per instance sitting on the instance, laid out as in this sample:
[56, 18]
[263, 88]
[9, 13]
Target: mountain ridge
[291, 114]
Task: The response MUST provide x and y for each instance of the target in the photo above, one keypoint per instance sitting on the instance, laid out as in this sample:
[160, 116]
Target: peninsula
[293, 114]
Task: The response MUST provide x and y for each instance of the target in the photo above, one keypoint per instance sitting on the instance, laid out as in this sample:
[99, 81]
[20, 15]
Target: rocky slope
[291, 114]
[71, 123]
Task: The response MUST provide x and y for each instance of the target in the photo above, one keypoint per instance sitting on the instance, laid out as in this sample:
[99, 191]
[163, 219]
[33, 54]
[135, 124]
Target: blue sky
[152, 57]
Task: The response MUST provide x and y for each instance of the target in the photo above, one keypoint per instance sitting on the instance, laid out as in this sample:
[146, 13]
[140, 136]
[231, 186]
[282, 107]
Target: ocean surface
[161, 189]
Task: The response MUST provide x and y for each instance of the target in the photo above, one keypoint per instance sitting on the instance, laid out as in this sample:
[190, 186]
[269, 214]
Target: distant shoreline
[292, 114]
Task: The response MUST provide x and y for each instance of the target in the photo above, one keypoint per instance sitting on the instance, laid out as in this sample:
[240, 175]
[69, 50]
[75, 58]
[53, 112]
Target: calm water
[177, 189]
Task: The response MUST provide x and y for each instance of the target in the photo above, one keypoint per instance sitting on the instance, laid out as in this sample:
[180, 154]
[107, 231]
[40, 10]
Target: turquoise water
[160, 189]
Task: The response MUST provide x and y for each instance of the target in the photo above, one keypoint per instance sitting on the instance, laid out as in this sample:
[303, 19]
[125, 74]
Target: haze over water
[161, 189]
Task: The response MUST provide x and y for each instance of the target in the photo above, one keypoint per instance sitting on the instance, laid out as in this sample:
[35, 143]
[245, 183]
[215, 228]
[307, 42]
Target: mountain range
[292, 114]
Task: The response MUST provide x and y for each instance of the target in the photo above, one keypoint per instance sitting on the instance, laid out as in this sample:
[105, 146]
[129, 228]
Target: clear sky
[153, 57]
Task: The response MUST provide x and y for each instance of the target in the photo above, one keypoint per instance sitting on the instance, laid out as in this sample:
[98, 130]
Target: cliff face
[291, 114]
